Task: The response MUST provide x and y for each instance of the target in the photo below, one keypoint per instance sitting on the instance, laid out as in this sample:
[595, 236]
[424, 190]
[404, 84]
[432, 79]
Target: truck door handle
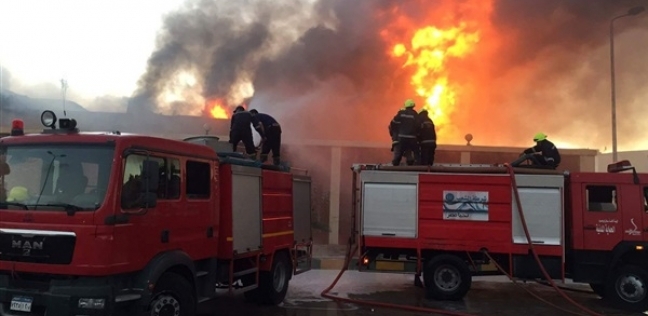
[589, 227]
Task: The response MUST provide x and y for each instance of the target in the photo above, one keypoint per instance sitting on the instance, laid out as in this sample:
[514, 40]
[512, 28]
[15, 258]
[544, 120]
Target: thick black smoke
[323, 68]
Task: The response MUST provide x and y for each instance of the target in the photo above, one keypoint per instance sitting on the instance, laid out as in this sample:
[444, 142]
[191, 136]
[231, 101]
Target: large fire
[434, 51]
[428, 52]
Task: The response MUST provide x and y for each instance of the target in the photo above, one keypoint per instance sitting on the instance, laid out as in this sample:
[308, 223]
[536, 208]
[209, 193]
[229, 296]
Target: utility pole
[631, 12]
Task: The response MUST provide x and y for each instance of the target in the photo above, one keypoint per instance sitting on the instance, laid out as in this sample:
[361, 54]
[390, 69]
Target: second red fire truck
[449, 223]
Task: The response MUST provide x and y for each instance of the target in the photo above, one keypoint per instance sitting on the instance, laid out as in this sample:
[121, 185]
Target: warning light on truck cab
[17, 127]
[622, 165]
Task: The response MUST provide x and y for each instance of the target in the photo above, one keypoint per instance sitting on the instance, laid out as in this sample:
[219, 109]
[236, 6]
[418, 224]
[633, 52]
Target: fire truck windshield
[54, 177]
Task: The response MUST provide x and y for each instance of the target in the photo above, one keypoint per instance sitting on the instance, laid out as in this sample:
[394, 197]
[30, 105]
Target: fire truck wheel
[274, 283]
[446, 277]
[628, 288]
[172, 296]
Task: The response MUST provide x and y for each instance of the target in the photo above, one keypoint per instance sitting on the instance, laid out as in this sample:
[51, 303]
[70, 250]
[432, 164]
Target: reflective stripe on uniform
[428, 141]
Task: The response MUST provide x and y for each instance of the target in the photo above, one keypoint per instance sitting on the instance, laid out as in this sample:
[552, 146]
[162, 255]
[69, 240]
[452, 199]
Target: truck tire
[627, 288]
[446, 277]
[172, 295]
[274, 283]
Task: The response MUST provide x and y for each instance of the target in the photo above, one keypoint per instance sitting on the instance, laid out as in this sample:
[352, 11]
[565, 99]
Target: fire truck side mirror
[151, 180]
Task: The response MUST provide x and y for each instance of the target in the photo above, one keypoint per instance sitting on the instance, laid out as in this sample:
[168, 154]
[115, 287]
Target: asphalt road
[488, 296]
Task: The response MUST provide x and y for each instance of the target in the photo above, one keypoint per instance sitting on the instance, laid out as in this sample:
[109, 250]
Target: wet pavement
[488, 296]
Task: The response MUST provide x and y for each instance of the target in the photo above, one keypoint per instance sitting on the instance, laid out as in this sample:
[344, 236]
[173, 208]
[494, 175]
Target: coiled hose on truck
[352, 247]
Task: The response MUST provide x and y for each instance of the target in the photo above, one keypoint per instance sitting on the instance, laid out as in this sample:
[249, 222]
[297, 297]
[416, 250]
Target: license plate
[21, 304]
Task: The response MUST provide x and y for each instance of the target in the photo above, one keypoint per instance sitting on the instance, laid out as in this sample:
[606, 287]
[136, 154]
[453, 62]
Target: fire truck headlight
[92, 303]
[48, 118]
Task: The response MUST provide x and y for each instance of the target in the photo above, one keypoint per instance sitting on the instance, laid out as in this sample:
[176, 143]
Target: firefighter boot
[263, 158]
[276, 160]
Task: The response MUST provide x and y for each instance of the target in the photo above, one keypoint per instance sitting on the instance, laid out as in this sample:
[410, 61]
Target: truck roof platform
[456, 168]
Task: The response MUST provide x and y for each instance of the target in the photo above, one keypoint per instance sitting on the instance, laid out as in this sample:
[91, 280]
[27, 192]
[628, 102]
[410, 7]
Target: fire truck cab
[450, 222]
[113, 224]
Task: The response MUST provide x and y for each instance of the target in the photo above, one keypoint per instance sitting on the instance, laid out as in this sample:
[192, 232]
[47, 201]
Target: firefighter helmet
[239, 109]
[409, 103]
[539, 137]
[18, 194]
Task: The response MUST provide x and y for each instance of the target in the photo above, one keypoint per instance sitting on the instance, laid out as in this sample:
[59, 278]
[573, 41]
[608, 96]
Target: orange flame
[216, 109]
[429, 51]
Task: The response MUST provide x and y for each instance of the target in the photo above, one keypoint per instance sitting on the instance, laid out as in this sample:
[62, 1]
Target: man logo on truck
[26, 246]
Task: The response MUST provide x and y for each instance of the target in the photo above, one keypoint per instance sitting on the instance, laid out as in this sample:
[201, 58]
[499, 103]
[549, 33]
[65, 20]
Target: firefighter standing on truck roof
[544, 153]
[272, 131]
[405, 126]
[427, 138]
[240, 131]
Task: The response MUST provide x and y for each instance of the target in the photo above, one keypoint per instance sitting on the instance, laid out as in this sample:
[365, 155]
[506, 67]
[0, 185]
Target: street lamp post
[633, 11]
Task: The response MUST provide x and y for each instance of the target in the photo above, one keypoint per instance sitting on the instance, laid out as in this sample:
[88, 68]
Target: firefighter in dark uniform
[272, 141]
[427, 139]
[406, 127]
[240, 131]
[544, 153]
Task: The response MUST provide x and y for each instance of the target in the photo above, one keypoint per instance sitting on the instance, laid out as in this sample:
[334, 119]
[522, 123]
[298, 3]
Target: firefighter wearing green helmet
[404, 129]
[543, 154]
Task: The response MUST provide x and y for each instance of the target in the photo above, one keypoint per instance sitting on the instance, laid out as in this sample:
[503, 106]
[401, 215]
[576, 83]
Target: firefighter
[406, 128]
[240, 131]
[272, 140]
[544, 153]
[427, 138]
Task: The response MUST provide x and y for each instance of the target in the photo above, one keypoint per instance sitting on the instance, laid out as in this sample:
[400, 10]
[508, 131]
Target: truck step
[244, 272]
[220, 290]
[127, 297]
[201, 274]
[204, 299]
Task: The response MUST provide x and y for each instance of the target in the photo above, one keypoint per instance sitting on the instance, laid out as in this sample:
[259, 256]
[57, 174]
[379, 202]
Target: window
[601, 198]
[198, 180]
[57, 175]
[169, 177]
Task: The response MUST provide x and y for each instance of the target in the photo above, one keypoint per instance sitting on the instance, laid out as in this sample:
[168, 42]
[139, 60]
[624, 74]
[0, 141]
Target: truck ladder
[254, 260]
[306, 256]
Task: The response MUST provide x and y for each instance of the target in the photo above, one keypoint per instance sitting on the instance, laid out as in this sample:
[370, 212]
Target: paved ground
[489, 296]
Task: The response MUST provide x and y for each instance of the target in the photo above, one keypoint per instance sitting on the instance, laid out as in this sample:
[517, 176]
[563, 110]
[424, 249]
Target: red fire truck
[116, 224]
[450, 222]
